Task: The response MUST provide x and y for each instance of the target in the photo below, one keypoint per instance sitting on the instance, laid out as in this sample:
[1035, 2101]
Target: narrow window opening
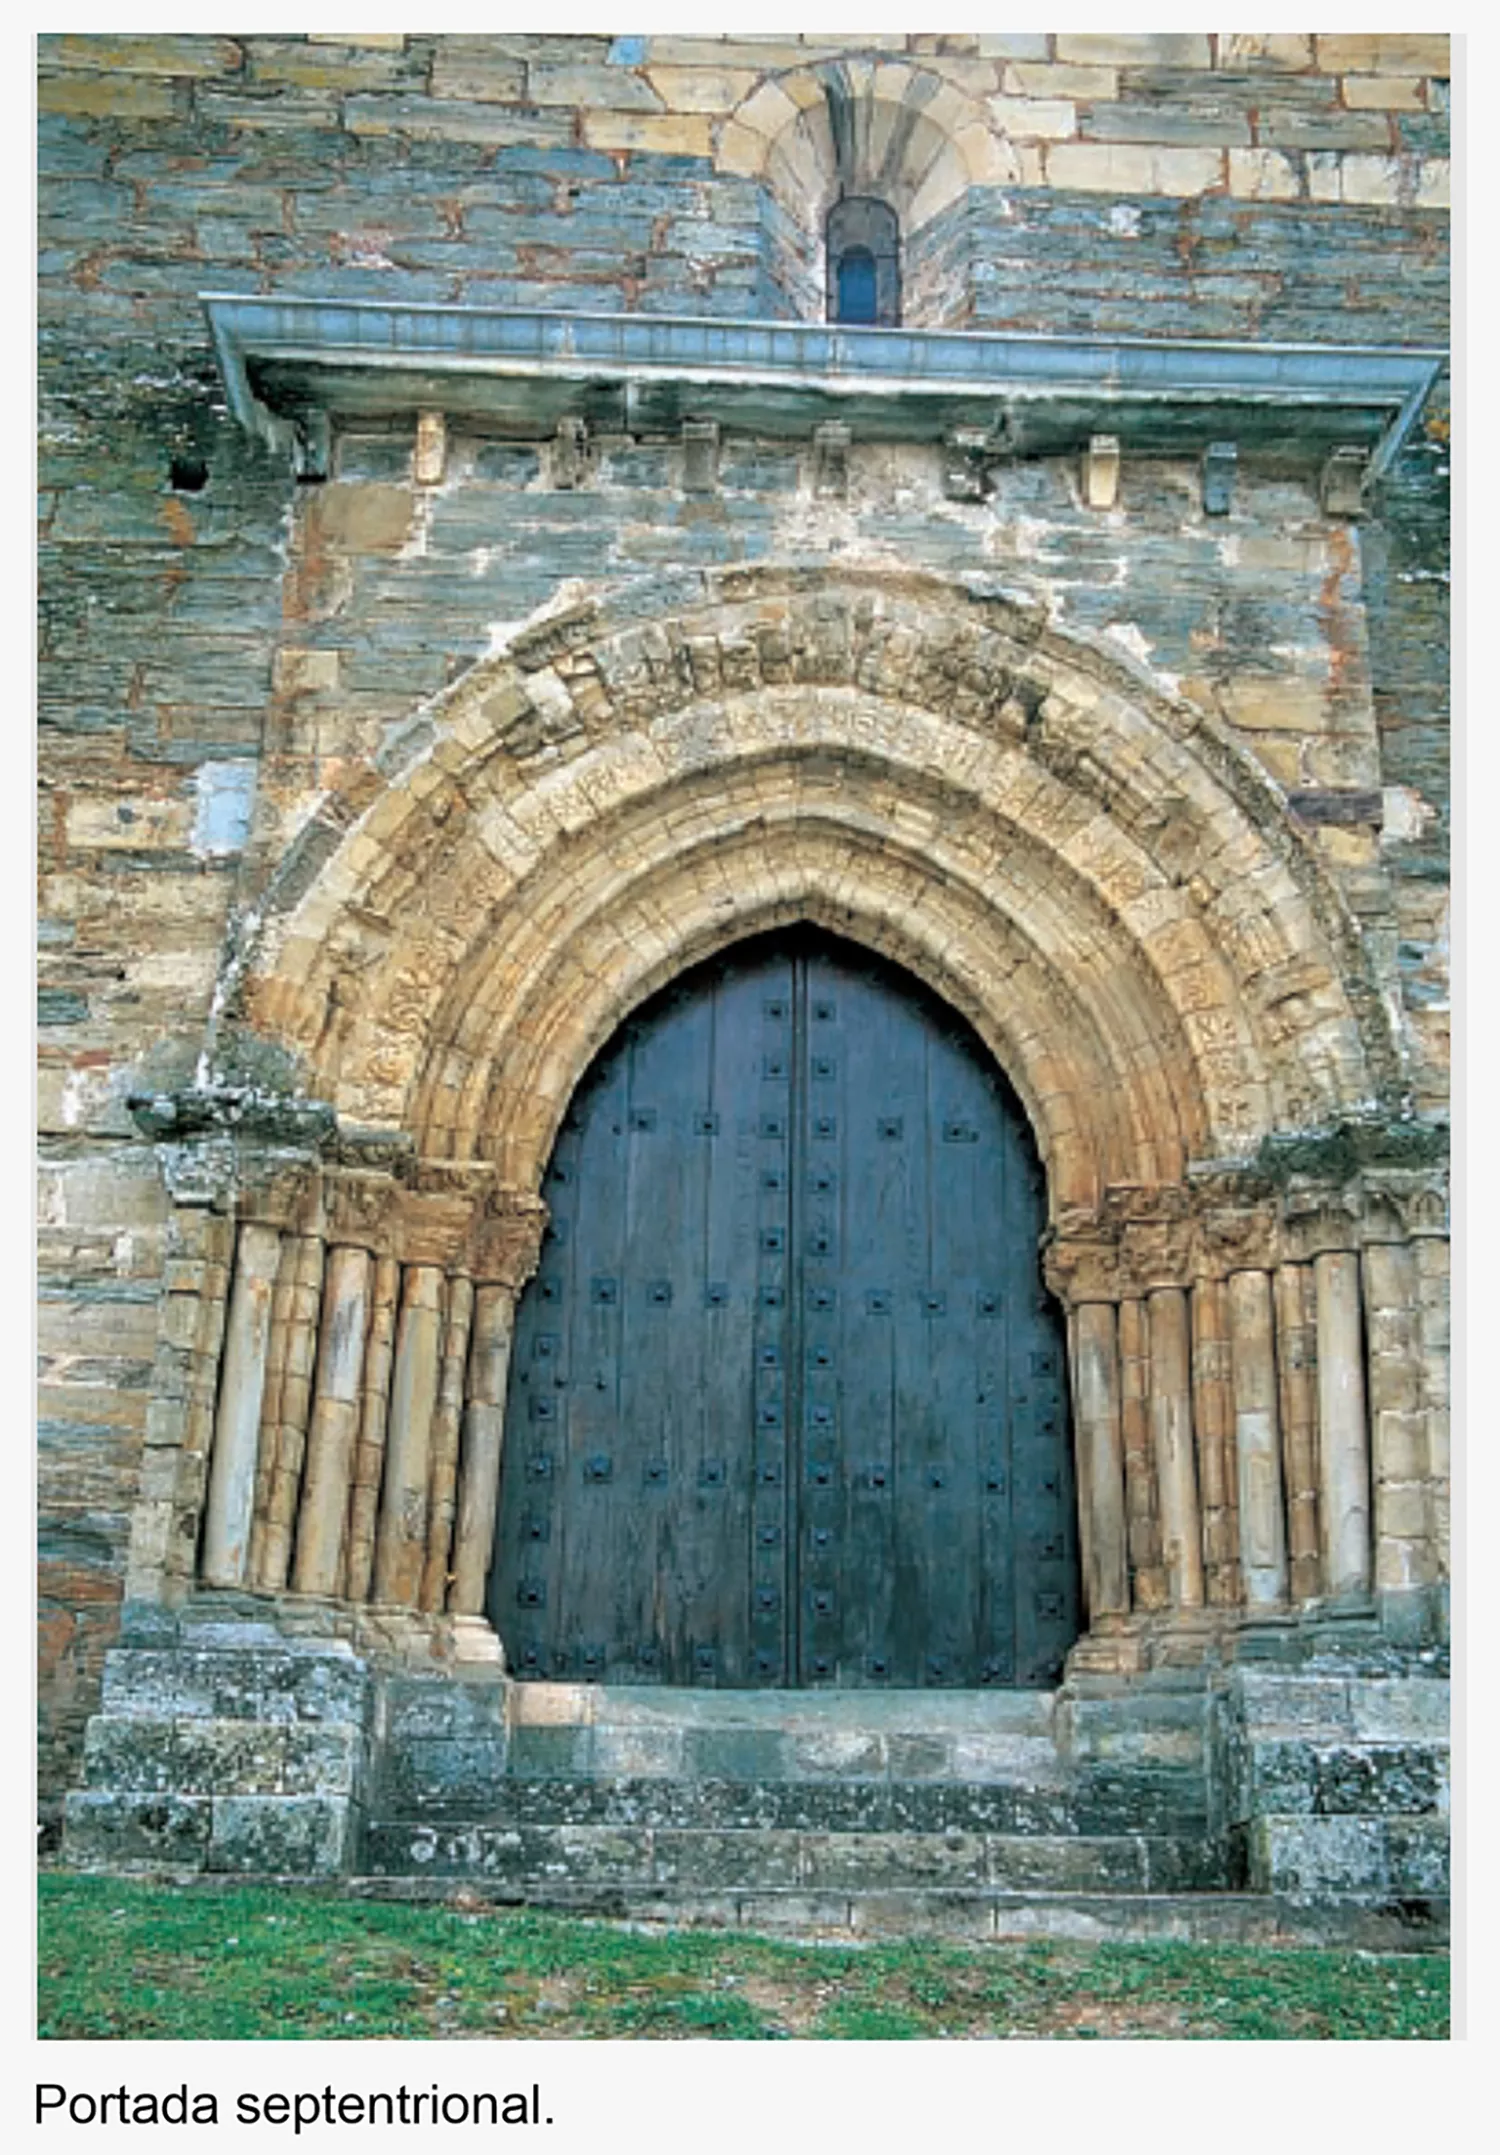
[188, 475]
[857, 286]
[863, 244]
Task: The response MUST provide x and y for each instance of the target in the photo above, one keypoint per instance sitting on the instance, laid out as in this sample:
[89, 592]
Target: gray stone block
[230, 1758]
[730, 1754]
[918, 1914]
[730, 1862]
[461, 1775]
[1064, 1864]
[847, 1753]
[114, 1828]
[1396, 1709]
[638, 1751]
[1282, 1776]
[324, 1760]
[555, 1753]
[865, 1860]
[236, 1684]
[1296, 1704]
[429, 1706]
[1380, 1779]
[1318, 1855]
[303, 1835]
[587, 1854]
[1417, 1857]
[915, 1758]
[130, 1752]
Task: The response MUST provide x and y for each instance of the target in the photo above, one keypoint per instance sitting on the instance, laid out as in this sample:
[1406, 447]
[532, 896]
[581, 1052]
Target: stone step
[418, 1789]
[981, 1914]
[538, 1858]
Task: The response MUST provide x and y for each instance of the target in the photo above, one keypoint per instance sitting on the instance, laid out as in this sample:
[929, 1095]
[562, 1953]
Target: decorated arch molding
[1091, 872]
[1082, 865]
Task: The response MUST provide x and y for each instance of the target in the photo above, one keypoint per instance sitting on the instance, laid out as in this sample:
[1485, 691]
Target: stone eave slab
[289, 364]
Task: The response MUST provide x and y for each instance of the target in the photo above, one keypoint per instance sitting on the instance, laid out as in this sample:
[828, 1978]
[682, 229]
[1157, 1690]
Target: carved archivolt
[1089, 871]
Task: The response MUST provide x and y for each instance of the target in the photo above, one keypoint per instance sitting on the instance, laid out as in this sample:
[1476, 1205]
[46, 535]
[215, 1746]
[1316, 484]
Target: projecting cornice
[293, 366]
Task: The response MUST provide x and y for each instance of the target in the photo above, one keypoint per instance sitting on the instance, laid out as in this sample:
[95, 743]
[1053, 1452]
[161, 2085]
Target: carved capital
[1081, 1267]
[1237, 1238]
[1405, 1204]
[360, 1207]
[431, 1227]
[507, 1239]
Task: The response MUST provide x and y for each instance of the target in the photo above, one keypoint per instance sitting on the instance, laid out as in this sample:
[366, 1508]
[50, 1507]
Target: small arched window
[864, 262]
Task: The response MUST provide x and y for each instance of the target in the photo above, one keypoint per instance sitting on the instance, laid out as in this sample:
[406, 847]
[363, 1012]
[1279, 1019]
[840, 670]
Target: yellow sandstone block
[1385, 93]
[185, 55]
[1025, 78]
[701, 89]
[106, 96]
[1134, 168]
[1289, 51]
[1275, 704]
[1384, 52]
[1035, 119]
[1262, 175]
[1164, 49]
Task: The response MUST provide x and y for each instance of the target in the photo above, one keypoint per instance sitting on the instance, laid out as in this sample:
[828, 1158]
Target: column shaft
[1148, 1579]
[1398, 1422]
[232, 1471]
[334, 1423]
[445, 1428]
[369, 1450]
[1213, 1423]
[483, 1434]
[401, 1534]
[1096, 1377]
[1297, 1368]
[290, 1435]
[1433, 1300]
[1343, 1438]
[270, 1407]
[1172, 1440]
[1257, 1439]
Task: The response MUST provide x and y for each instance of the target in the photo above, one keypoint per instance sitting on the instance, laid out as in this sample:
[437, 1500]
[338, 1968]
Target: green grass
[130, 1959]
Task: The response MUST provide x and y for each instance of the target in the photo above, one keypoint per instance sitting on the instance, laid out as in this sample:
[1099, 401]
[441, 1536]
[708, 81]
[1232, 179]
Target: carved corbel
[571, 454]
[1341, 484]
[1101, 471]
[831, 460]
[430, 450]
[700, 456]
[968, 453]
[1220, 465]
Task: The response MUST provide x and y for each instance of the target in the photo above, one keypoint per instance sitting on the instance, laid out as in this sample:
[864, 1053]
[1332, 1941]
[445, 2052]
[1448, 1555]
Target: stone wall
[218, 645]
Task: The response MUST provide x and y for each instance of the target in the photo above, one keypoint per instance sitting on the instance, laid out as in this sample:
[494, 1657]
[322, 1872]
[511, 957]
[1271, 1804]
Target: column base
[476, 1642]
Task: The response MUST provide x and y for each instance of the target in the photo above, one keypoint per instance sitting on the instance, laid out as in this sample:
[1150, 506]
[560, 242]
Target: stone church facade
[743, 995]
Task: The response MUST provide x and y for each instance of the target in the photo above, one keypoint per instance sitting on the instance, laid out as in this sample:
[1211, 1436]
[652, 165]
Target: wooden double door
[788, 1400]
